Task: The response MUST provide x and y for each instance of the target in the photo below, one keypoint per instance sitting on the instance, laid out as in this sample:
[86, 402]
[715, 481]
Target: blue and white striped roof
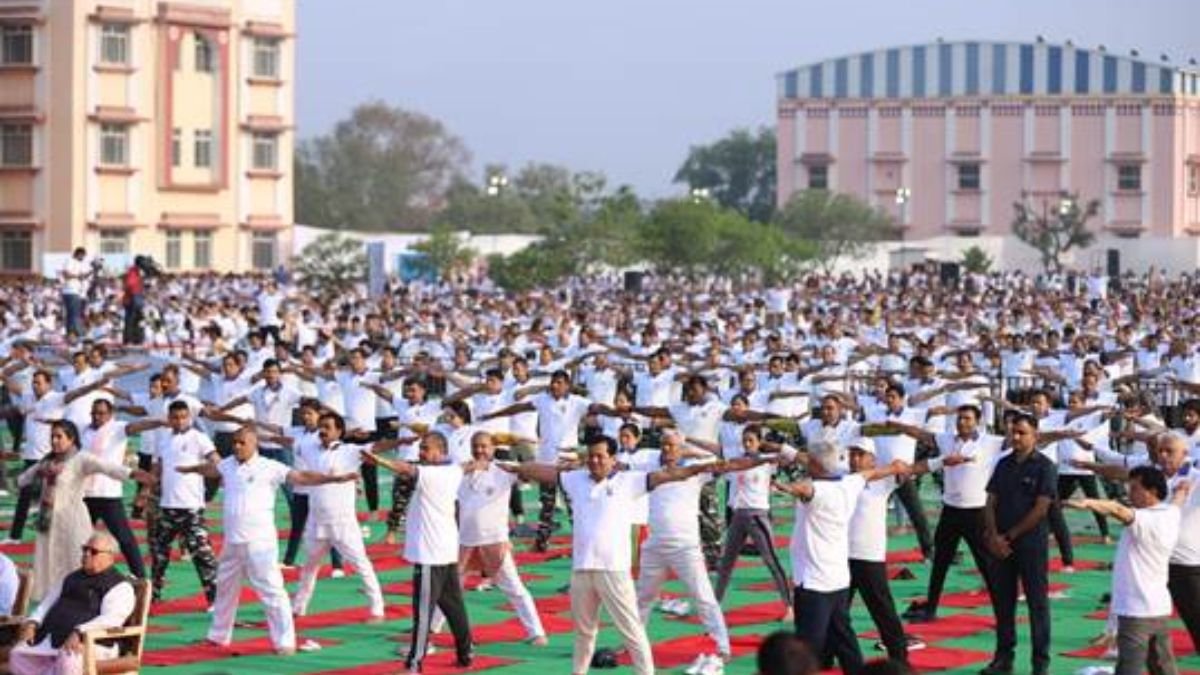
[955, 69]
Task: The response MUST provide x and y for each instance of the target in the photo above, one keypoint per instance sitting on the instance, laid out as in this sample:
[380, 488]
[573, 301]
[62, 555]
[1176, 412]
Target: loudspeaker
[948, 273]
[1114, 262]
[633, 281]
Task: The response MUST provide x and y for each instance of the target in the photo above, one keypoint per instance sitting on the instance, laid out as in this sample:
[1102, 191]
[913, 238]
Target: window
[16, 251]
[968, 177]
[114, 144]
[1129, 177]
[174, 254]
[1193, 178]
[16, 145]
[266, 152]
[262, 250]
[16, 44]
[202, 152]
[202, 249]
[266, 58]
[114, 243]
[818, 177]
[114, 43]
[206, 54]
[176, 147]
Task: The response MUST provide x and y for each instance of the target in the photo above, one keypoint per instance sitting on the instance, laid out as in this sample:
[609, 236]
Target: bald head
[245, 444]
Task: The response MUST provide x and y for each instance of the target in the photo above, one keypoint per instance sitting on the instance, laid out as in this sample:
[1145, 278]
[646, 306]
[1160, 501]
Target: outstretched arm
[1104, 507]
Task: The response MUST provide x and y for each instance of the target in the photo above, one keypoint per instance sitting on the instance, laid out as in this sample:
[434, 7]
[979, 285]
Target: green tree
[681, 235]
[607, 230]
[444, 253]
[1054, 229]
[835, 225]
[330, 264]
[738, 171]
[470, 208]
[748, 248]
[383, 168]
[976, 261]
[540, 265]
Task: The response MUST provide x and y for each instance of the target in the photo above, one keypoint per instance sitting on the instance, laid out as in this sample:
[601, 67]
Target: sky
[625, 87]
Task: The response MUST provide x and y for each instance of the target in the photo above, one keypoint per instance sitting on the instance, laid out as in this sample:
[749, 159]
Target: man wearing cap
[868, 551]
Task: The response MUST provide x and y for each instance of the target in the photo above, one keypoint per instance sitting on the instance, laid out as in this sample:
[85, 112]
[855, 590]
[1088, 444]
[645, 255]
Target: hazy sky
[625, 86]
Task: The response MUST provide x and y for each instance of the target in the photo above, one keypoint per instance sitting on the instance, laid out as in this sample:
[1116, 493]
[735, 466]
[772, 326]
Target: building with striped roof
[947, 136]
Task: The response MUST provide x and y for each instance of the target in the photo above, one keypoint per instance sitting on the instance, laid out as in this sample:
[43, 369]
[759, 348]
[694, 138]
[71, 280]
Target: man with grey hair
[821, 551]
[96, 595]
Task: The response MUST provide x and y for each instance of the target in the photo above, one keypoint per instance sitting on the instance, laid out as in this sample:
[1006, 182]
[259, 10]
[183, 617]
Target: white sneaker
[485, 585]
[697, 665]
[9, 541]
[337, 574]
[681, 607]
[1068, 569]
[713, 665]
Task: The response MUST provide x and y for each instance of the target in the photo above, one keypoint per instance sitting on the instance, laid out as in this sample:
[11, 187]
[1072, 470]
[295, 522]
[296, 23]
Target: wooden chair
[10, 626]
[130, 638]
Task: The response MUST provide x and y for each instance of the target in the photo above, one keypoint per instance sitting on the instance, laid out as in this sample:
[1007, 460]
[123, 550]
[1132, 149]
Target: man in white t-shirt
[821, 552]
[1140, 599]
[251, 547]
[483, 535]
[600, 564]
[332, 520]
[73, 277]
[431, 544]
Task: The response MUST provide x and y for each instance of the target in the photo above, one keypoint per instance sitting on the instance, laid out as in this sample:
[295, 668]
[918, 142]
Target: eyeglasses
[92, 550]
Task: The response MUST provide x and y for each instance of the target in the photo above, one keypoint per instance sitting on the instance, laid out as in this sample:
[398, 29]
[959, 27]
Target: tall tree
[836, 225]
[382, 168]
[444, 254]
[681, 235]
[330, 264]
[1053, 228]
[738, 171]
[470, 208]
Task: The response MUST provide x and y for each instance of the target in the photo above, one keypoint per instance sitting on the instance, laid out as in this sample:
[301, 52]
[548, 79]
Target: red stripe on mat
[199, 652]
[947, 627]
[683, 650]
[748, 615]
[978, 597]
[912, 555]
[438, 664]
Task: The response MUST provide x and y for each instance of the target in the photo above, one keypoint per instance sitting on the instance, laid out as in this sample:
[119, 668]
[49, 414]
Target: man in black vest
[94, 596]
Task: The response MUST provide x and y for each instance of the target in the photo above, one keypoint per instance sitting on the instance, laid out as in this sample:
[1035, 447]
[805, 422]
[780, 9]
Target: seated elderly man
[94, 596]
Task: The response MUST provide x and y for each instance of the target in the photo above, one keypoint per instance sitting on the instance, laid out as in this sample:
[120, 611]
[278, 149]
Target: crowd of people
[671, 426]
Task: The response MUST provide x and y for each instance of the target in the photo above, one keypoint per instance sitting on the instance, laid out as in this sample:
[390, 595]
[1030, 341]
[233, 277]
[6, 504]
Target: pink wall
[785, 167]
[1007, 170]
[1005, 174]
[852, 143]
[928, 171]
[1087, 169]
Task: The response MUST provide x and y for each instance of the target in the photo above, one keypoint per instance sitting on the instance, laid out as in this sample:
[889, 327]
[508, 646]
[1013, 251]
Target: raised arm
[314, 478]
[678, 473]
[546, 474]
[86, 389]
[1104, 507]
[514, 409]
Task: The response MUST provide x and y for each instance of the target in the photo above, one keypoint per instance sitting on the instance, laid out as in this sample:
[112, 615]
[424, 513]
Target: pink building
[946, 136]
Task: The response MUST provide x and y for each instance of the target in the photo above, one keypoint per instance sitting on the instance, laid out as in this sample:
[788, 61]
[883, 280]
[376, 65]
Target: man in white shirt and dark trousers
[868, 552]
[431, 544]
[251, 548]
[821, 552]
[601, 553]
[1023, 486]
[965, 457]
[1140, 599]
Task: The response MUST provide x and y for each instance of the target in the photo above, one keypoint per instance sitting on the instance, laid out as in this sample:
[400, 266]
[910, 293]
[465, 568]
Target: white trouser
[257, 563]
[658, 560]
[43, 659]
[614, 590]
[509, 582]
[349, 542]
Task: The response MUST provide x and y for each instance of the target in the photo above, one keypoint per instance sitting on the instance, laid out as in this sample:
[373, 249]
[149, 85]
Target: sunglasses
[92, 550]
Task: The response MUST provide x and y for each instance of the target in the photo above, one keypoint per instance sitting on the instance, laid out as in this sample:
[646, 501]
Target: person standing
[431, 544]
[600, 563]
[134, 300]
[1140, 599]
[1021, 490]
[332, 521]
[821, 552]
[73, 277]
[251, 548]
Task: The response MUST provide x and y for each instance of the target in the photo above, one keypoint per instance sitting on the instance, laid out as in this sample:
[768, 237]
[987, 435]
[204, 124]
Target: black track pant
[1184, 583]
[111, 512]
[755, 524]
[956, 524]
[869, 579]
[438, 586]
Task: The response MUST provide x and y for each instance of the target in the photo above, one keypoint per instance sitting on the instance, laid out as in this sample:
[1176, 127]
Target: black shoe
[412, 667]
[541, 546]
[997, 668]
[919, 612]
[465, 660]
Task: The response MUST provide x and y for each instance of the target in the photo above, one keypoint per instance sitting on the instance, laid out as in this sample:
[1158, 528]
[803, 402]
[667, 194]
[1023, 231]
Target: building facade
[947, 136]
[145, 127]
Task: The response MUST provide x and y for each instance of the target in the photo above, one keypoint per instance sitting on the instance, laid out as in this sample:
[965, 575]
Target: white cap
[864, 443]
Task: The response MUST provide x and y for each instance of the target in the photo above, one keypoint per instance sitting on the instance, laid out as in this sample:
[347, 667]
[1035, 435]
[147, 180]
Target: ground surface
[959, 642]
